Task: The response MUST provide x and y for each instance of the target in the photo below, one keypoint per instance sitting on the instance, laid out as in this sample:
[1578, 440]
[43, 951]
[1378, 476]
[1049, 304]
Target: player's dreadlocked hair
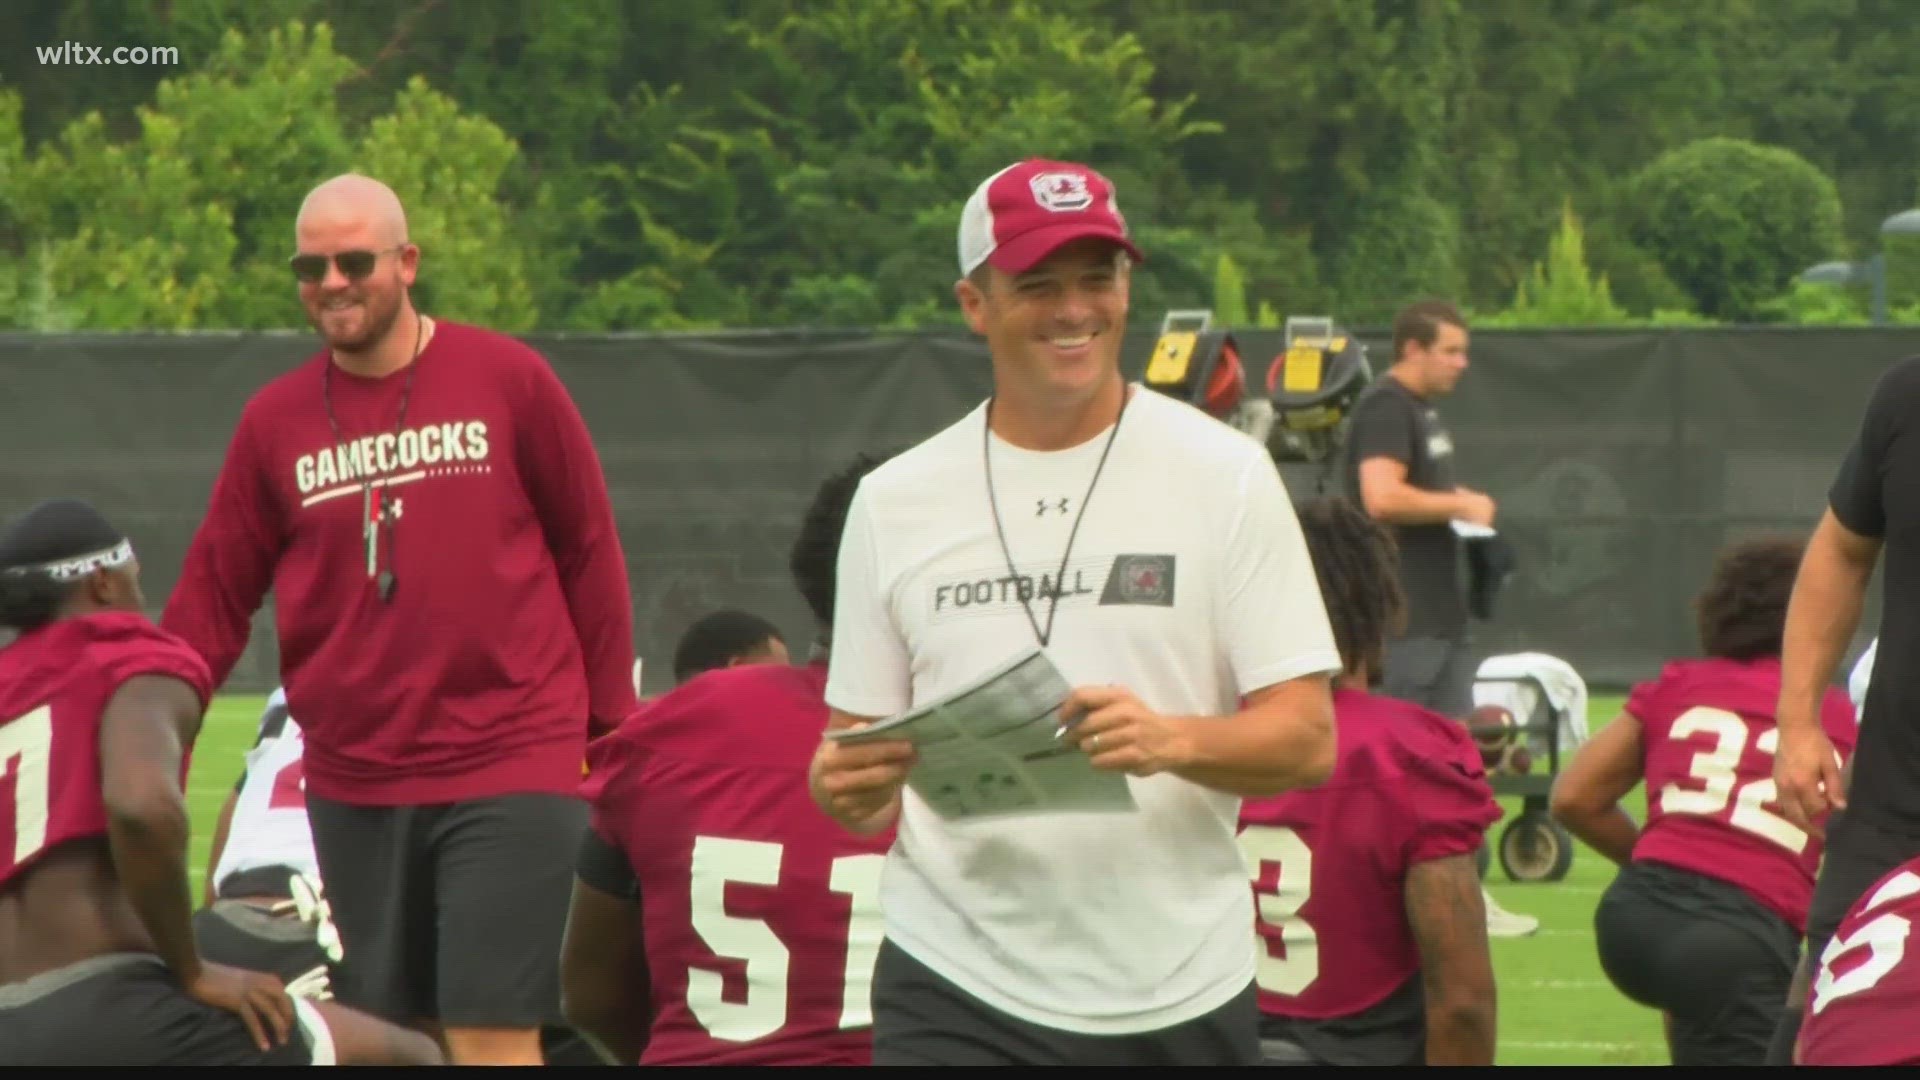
[1357, 563]
[1742, 612]
[35, 580]
[815, 558]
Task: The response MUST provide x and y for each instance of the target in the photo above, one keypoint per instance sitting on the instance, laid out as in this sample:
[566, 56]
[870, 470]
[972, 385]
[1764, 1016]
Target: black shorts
[920, 1018]
[450, 913]
[1392, 1033]
[1432, 671]
[1859, 853]
[126, 1009]
[247, 936]
[1702, 951]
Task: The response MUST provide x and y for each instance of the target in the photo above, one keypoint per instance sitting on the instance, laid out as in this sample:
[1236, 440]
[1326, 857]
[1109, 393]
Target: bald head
[356, 304]
[354, 203]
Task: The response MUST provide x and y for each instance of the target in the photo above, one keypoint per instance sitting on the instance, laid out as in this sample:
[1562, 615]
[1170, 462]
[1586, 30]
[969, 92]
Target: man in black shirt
[1400, 467]
[1874, 800]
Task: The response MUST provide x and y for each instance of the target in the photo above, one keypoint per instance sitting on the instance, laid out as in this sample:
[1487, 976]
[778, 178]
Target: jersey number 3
[716, 863]
[26, 751]
[1298, 964]
[1716, 769]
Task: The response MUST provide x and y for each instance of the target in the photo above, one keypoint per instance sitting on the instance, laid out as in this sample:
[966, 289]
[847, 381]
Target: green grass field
[1556, 1007]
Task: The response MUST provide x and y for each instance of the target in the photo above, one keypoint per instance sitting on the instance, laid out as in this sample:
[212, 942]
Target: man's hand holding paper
[995, 747]
[1119, 733]
[858, 784]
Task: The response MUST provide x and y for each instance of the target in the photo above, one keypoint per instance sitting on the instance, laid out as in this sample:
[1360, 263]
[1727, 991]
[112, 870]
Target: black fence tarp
[1620, 460]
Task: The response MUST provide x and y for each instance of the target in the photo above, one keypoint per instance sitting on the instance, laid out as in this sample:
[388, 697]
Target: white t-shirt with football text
[269, 826]
[1190, 584]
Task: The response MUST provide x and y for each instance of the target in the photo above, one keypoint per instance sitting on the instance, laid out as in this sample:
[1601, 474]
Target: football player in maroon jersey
[1373, 937]
[99, 709]
[1704, 920]
[719, 917]
[1867, 991]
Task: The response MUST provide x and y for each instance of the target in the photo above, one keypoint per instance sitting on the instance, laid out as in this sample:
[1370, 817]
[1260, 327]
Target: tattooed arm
[1450, 928]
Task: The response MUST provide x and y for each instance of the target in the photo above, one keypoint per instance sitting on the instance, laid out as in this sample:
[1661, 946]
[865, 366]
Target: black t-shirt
[1877, 494]
[1392, 421]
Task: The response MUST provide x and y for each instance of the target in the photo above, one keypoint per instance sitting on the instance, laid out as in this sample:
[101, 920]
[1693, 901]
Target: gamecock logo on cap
[1061, 192]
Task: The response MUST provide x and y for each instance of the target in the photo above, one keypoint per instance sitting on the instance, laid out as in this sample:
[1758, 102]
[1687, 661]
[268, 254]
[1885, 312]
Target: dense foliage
[605, 165]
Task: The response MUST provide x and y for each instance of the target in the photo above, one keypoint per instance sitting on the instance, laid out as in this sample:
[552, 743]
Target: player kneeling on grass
[98, 960]
[264, 910]
[719, 917]
[1705, 918]
[1867, 993]
[1373, 945]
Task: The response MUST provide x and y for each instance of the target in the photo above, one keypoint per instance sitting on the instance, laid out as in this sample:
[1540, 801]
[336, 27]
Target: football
[1494, 728]
[1497, 733]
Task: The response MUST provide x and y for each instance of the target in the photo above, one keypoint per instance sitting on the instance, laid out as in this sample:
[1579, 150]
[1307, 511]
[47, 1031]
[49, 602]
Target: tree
[1229, 293]
[1562, 291]
[760, 192]
[473, 265]
[1732, 222]
[188, 224]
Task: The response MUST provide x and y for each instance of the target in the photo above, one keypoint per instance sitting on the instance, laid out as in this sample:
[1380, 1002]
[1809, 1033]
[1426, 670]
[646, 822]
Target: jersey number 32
[1717, 770]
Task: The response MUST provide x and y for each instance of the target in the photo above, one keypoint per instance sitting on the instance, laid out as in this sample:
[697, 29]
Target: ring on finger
[1093, 743]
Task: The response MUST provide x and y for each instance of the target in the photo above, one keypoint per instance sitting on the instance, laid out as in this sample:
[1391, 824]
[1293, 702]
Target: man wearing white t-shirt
[1154, 554]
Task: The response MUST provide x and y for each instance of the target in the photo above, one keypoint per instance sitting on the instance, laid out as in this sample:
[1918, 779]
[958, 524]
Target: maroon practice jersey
[761, 915]
[1331, 861]
[1867, 992]
[1709, 736]
[55, 683]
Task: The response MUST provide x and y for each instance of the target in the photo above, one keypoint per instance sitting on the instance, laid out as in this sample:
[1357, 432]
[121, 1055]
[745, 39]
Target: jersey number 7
[26, 750]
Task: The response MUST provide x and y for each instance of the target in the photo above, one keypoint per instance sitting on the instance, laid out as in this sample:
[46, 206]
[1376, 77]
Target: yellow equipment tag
[1301, 375]
[1171, 355]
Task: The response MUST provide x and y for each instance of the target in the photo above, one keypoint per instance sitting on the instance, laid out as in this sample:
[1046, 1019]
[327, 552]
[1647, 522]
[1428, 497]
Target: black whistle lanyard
[1045, 637]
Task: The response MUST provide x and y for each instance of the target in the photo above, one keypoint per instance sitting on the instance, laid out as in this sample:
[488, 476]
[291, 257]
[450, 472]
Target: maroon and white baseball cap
[1022, 213]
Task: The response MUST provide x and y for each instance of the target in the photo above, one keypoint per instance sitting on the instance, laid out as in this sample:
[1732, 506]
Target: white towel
[1566, 691]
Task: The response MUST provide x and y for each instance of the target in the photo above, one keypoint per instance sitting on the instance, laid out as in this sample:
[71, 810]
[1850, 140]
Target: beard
[364, 329]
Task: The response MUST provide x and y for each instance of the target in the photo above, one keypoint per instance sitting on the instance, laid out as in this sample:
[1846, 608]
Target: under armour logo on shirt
[1043, 505]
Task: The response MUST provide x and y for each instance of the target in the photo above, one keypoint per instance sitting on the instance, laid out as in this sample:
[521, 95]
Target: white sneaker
[1506, 924]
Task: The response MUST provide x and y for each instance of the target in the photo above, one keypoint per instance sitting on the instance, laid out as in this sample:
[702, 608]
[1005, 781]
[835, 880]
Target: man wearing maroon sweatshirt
[424, 502]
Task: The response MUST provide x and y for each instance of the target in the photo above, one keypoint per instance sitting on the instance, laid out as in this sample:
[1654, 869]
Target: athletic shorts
[127, 1009]
[920, 1018]
[1859, 853]
[245, 935]
[1432, 671]
[451, 913]
[1702, 951]
[1392, 1033]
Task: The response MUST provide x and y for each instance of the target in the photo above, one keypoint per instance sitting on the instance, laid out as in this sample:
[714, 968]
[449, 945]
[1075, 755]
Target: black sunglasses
[354, 265]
